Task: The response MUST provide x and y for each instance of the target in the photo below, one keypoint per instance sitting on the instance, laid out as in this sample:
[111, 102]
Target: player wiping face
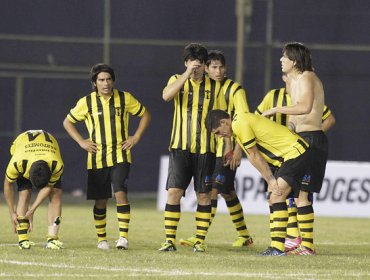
[197, 69]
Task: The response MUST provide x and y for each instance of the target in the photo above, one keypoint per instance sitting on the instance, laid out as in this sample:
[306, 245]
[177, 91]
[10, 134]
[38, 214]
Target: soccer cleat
[267, 251]
[291, 244]
[189, 242]
[243, 242]
[199, 247]
[54, 244]
[122, 243]
[302, 251]
[167, 246]
[24, 245]
[103, 245]
[273, 252]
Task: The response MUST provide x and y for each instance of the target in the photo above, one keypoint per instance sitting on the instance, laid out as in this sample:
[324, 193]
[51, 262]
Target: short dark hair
[214, 117]
[40, 174]
[299, 53]
[195, 51]
[216, 55]
[98, 68]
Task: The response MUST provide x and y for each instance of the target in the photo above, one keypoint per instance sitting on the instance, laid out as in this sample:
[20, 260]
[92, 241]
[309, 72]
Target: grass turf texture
[343, 248]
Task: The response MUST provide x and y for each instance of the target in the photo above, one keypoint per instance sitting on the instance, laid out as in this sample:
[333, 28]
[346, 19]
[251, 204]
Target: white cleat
[122, 243]
[103, 245]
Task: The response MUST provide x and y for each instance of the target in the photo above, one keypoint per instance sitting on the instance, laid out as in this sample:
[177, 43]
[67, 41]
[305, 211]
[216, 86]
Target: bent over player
[266, 142]
[36, 163]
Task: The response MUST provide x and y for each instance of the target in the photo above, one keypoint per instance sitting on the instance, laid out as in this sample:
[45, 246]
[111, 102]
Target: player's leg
[280, 218]
[179, 177]
[172, 214]
[119, 177]
[54, 218]
[306, 219]
[293, 238]
[203, 166]
[237, 217]
[217, 182]
[24, 197]
[99, 190]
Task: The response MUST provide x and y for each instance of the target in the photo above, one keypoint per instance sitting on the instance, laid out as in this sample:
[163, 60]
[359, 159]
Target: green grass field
[343, 248]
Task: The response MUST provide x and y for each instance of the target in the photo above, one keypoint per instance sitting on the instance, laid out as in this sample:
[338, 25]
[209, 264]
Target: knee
[174, 195]
[204, 198]
[229, 196]
[101, 203]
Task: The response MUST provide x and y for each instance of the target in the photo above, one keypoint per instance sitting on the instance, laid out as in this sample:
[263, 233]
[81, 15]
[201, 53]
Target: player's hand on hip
[89, 146]
[129, 143]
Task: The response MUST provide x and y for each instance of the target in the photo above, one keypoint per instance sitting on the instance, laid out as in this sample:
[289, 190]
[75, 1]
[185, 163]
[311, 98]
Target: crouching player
[36, 163]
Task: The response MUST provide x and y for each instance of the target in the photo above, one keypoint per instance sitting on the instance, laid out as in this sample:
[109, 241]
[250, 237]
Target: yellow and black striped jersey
[107, 122]
[236, 101]
[275, 142]
[31, 146]
[235, 97]
[279, 98]
[191, 106]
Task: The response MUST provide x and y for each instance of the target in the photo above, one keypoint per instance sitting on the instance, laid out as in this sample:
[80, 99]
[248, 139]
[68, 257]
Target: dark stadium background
[48, 47]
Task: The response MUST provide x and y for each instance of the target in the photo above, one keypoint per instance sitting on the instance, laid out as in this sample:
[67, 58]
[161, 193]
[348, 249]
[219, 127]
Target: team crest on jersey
[118, 111]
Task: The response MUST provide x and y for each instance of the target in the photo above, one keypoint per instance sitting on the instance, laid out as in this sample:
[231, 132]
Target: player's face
[104, 83]
[224, 129]
[216, 70]
[287, 65]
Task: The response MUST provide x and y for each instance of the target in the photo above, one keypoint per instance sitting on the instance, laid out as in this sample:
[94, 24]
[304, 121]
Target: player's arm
[85, 144]
[227, 150]
[41, 196]
[237, 157]
[172, 89]
[328, 123]
[9, 198]
[261, 165]
[303, 104]
[143, 125]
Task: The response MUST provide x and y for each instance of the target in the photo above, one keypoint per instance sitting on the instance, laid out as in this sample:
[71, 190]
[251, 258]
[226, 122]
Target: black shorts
[223, 178]
[318, 156]
[292, 171]
[25, 184]
[183, 166]
[100, 182]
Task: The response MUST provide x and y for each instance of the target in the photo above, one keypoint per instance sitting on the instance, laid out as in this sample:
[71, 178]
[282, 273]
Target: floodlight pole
[244, 10]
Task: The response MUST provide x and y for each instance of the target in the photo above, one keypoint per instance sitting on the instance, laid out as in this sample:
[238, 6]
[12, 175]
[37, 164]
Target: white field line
[158, 272]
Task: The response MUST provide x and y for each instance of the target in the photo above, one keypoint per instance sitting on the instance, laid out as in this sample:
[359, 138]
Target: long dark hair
[300, 54]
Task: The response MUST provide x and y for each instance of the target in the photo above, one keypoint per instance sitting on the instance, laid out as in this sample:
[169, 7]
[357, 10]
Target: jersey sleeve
[240, 101]
[326, 113]
[133, 106]
[79, 112]
[56, 174]
[13, 170]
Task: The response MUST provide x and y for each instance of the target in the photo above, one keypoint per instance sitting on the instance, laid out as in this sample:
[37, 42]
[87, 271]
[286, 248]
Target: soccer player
[36, 162]
[224, 174]
[192, 148]
[281, 97]
[106, 113]
[307, 93]
[266, 142]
